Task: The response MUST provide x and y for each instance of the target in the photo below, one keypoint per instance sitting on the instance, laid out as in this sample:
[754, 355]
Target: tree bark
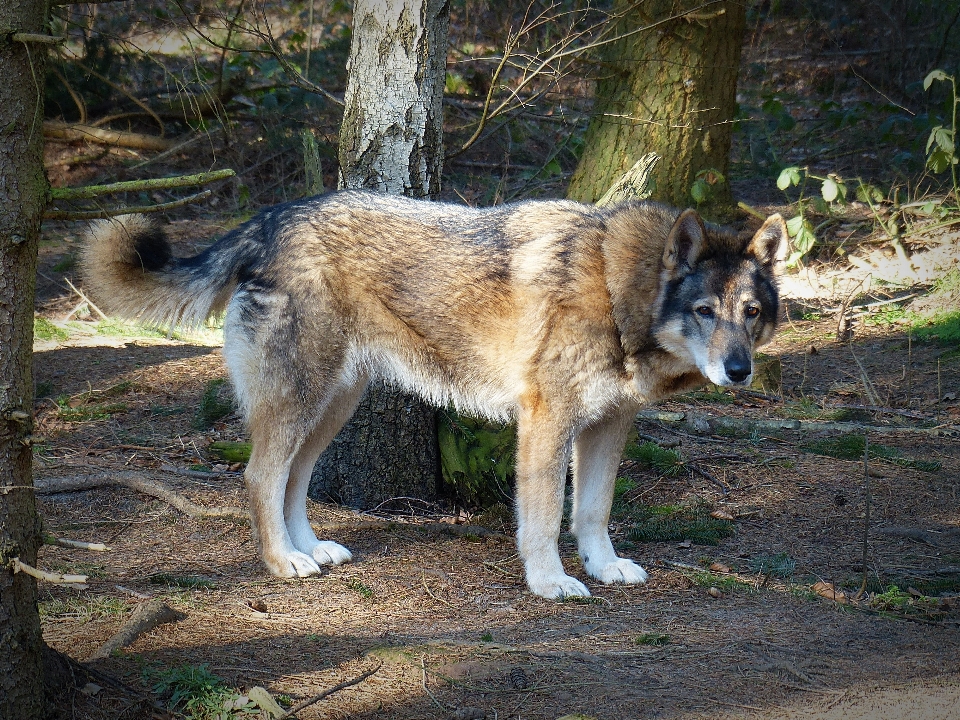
[390, 141]
[23, 188]
[670, 90]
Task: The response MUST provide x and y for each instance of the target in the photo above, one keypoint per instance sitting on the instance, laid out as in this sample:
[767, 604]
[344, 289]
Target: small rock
[714, 593]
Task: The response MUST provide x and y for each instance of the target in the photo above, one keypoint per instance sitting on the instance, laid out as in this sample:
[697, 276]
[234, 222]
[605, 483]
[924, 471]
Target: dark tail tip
[153, 248]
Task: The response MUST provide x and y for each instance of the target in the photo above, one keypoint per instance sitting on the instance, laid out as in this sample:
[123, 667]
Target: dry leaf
[721, 515]
[720, 567]
[264, 700]
[259, 605]
[826, 590]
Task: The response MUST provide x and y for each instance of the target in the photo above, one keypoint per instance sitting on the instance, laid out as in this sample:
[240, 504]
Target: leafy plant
[476, 458]
[832, 190]
[665, 461]
[194, 691]
[941, 147]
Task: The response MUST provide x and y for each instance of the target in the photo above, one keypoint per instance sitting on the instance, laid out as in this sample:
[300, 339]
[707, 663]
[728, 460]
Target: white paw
[621, 570]
[293, 563]
[327, 552]
[558, 588]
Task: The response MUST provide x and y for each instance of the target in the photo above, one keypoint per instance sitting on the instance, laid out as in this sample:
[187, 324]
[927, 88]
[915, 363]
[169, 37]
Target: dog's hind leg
[325, 552]
[543, 455]
[596, 457]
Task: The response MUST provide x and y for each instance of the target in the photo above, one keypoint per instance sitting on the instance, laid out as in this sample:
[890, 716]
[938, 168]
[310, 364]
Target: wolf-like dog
[563, 316]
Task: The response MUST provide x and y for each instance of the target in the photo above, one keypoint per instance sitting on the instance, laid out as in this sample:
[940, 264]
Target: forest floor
[737, 629]
[770, 622]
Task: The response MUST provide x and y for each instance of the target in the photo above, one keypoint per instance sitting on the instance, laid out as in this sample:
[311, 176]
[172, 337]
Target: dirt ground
[441, 611]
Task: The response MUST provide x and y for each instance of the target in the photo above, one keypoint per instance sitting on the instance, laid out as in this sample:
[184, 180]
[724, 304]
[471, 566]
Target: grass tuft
[215, 404]
[665, 461]
[668, 523]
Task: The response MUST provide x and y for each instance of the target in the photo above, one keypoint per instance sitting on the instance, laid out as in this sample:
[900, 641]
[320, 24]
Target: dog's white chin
[718, 376]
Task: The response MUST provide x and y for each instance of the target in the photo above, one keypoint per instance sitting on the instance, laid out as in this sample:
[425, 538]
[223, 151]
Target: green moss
[45, 330]
[231, 452]
[667, 523]
[850, 447]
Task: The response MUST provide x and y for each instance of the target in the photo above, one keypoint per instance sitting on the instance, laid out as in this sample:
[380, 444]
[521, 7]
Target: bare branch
[89, 192]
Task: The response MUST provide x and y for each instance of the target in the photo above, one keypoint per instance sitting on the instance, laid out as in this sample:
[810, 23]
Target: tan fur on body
[553, 313]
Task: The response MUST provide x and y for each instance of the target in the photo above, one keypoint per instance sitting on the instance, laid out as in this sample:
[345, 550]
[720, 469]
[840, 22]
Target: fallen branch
[90, 192]
[85, 299]
[129, 210]
[145, 618]
[118, 138]
[49, 539]
[326, 693]
[77, 581]
[140, 483]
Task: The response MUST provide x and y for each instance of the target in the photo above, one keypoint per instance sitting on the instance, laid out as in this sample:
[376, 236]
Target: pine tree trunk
[670, 90]
[23, 188]
[390, 141]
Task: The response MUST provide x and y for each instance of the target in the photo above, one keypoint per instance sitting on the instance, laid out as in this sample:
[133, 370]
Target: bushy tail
[129, 270]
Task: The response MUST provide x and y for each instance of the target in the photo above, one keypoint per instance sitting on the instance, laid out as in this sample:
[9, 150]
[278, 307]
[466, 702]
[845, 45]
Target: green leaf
[788, 176]
[934, 75]
[938, 161]
[869, 193]
[699, 190]
[830, 190]
[795, 225]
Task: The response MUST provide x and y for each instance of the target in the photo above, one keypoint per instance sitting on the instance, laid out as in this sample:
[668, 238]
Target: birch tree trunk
[670, 90]
[390, 141]
[23, 188]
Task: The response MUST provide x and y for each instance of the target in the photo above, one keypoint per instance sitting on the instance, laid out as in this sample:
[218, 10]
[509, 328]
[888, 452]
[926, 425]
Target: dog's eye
[752, 311]
[704, 311]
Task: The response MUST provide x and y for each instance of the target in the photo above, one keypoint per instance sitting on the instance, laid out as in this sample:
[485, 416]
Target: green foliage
[231, 452]
[665, 461]
[364, 590]
[850, 447]
[216, 403]
[194, 692]
[706, 185]
[476, 458]
[186, 582]
[43, 329]
[83, 608]
[86, 413]
[67, 262]
[653, 639]
[780, 565]
[943, 328]
[941, 150]
[673, 523]
[832, 190]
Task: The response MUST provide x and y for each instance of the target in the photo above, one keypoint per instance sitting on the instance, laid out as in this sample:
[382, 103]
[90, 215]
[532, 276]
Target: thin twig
[336, 688]
[90, 192]
[87, 300]
[130, 210]
[866, 514]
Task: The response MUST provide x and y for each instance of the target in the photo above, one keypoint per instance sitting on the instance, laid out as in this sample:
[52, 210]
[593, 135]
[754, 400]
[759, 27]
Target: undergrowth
[850, 447]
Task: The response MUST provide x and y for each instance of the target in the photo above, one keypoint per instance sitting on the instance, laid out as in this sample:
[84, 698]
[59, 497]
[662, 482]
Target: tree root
[141, 483]
[145, 618]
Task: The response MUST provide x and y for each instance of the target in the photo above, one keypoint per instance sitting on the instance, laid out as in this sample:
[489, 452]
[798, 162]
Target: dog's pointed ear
[684, 244]
[769, 245]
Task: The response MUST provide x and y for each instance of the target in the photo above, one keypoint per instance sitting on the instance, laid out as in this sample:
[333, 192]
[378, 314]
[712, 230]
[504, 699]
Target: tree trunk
[390, 141]
[23, 188]
[670, 90]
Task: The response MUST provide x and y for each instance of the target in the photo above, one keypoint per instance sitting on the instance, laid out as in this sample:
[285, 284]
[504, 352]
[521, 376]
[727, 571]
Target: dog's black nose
[737, 369]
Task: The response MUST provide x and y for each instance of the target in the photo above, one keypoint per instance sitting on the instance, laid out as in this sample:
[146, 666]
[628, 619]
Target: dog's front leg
[596, 457]
[543, 455]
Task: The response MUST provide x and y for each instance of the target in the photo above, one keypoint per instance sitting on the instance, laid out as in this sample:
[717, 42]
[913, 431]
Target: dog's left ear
[684, 244]
[769, 245]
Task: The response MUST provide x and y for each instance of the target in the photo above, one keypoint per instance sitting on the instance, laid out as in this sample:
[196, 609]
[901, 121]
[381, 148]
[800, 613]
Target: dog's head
[718, 296]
